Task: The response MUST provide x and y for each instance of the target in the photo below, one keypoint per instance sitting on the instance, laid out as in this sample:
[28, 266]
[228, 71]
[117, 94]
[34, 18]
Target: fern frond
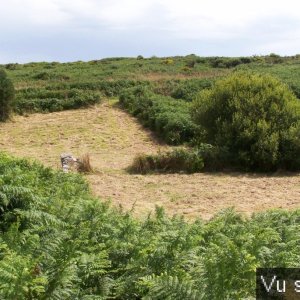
[171, 288]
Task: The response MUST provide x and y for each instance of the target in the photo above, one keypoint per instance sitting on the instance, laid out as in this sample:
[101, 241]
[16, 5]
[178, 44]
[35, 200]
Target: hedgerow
[230, 62]
[169, 118]
[108, 88]
[177, 160]
[58, 242]
[51, 76]
[41, 100]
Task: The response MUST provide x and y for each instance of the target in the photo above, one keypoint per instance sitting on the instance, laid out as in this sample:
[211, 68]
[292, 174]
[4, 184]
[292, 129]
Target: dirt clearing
[113, 138]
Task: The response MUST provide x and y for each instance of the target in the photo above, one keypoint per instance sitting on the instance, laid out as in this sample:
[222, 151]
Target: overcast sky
[70, 30]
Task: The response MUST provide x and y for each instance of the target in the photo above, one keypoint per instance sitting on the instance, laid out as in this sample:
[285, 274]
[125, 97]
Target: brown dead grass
[84, 164]
[113, 139]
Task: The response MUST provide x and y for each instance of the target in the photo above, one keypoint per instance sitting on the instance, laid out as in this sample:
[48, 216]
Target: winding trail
[113, 138]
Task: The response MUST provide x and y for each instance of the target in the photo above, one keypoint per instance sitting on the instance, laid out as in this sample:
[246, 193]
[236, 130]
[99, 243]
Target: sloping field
[113, 138]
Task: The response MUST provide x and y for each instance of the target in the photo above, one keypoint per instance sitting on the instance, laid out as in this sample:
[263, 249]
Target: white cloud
[195, 18]
[112, 13]
[18, 13]
[267, 24]
[287, 43]
[223, 19]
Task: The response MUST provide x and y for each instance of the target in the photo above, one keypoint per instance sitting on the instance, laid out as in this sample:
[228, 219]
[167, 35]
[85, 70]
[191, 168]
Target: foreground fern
[57, 242]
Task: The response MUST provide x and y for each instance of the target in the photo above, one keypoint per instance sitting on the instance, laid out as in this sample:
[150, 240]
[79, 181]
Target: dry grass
[84, 164]
[113, 139]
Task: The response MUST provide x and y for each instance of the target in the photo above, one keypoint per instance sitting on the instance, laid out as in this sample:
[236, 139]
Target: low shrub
[188, 89]
[169, 118]
[13, 66]
[273, 58]
[177, 160]
[165, 87]
[168, 61]
[191, 63]
[214, 158]
[51, 76]
[7, 95]
[229, 62]
[185, 89]
[108, 88]
[50, 101]
[296, 89]
[44, 93]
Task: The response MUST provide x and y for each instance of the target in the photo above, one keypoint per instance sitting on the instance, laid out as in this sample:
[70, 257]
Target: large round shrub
[254, 119]
[6, 96]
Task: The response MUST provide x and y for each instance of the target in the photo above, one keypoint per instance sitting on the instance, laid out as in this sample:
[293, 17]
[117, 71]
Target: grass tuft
[177, 160]
[84, 164]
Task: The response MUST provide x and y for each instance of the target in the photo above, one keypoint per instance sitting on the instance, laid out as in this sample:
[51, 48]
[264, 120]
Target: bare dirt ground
[113, 138]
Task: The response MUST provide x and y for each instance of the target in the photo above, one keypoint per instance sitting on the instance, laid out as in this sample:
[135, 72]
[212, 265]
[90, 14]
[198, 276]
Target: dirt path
[113, 138]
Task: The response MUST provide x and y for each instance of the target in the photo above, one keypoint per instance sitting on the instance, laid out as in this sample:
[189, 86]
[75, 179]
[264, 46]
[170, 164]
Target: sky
[71, 30]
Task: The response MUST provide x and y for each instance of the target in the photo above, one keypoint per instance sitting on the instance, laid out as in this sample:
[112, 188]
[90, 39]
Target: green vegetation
[188, 89]
[109, 77]
[254, 120]
[7, 94]
[168, 117]
[160, 91]
[180, 77]
[58, 242]
[285, 69]
[177, 160]
[228, 62]
[43, 100]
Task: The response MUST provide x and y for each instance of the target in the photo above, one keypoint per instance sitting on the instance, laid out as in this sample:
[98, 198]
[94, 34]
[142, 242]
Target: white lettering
[268, 288]
[297, 286]
[283, 286]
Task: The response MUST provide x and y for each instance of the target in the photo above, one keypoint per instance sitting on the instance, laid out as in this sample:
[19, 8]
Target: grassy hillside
[53, 86]
[113, 139]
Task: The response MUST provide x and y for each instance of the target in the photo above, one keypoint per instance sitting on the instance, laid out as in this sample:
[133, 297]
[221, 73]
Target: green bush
[213, 157]
[177, 160]
[254, 119]
[229, 62]
[168, 61]
[185, 89]
[165, 87]
[296, 89]
[273, 58]
[188, 89]
[13, 66]
[51, 76]
[191, 63]
[7, 94]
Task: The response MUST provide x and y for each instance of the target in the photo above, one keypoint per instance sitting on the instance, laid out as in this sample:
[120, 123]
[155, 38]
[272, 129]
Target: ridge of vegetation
[179, 77]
